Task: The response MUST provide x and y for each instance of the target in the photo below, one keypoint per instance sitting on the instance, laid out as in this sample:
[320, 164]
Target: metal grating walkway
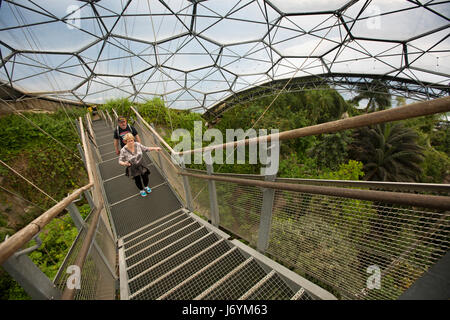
[167, 252]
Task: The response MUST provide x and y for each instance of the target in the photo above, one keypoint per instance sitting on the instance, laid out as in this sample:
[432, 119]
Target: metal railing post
[29, 276]
[212, 192]
[187, 189]
[87, 195]
[265, 221]
[76, 216]
[80, 149]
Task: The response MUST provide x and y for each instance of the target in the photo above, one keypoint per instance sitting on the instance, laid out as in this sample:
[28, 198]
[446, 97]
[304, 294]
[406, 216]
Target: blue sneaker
[148, 189]
[143, 193]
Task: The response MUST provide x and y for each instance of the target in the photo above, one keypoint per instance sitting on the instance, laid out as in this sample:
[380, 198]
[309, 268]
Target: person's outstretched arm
[150, 148]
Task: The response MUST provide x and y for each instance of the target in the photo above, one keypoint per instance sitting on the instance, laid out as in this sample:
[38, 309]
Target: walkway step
[176, 226]
[166, 252]
[271, 287]
[187, 242]
[206, 277]
[162, 243]
[236, 283]
[155, 224]
[157, 270]
[178, 274]
[153, 230]
[136, 212]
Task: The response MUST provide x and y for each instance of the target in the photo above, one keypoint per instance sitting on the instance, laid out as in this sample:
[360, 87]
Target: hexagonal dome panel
[195, 53]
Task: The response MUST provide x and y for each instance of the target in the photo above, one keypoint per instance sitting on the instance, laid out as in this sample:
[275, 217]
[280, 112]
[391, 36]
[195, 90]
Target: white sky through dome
[139, 49]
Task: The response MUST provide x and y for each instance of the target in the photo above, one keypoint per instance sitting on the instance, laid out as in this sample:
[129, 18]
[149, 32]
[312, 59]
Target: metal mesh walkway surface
[167, 252]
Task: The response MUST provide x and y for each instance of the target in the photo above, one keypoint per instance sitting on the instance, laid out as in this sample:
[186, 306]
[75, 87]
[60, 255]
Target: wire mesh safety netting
[97, 277]
[344, 242]
[240, 209]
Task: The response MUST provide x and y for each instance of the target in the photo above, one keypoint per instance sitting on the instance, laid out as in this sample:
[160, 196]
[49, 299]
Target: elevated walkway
[168, 252]
[158, 247]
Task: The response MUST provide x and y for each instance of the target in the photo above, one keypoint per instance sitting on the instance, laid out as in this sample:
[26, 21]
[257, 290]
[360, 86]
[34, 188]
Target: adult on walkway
[121, 130]
[131, 156]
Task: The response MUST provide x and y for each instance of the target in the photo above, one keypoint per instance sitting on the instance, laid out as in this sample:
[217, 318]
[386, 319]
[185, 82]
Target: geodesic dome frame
[195, 54]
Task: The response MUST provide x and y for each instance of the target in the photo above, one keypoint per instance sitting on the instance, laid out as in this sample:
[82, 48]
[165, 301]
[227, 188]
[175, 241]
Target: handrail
[426, 201]
[89, 125]
[23, 236]
[154, 131]
[412, 110]
[110, 119]
[425, 187]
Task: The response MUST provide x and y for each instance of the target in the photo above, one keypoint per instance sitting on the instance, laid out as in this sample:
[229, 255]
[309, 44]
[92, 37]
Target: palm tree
[389, 152]
[378, 95]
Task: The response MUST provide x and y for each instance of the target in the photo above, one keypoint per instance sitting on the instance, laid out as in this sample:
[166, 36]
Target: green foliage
[51, 167]
[10, 289]
[436, 167]
[290, 167]
[57, 237]
[84, 210]
[39, 158]
[379, 97]
[121, 105]
[346, 171]
[390, 152]
[434, 137]
[331, 149]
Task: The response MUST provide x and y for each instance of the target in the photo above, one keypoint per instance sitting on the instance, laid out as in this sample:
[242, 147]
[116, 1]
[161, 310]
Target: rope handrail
[412, 110]
[23, 236]
[426, 201]
[392, 185]
[154, 131]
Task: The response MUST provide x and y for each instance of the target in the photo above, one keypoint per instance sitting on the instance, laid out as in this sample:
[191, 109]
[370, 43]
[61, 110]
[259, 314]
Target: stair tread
[204, 280]
[273, 289]
[129, 237]
[183, 272]
[177, 259]
[162, 244]
[167, 252]
[153, 231]
[165, 232]
[237, 284]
